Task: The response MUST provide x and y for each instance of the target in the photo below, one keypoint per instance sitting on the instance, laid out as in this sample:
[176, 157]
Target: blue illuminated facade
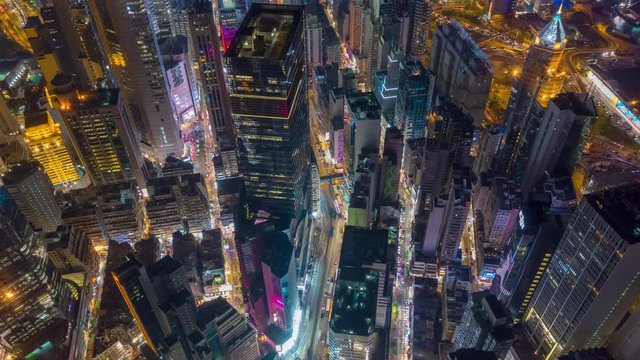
[415, 99]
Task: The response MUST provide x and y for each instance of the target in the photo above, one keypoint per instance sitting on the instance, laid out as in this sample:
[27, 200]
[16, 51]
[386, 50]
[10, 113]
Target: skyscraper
[462, 70]
[540, 81]
[136, 66]
[28, 315]
[225, 329]
[44, 138]
[420, 16]
[267, 79]
[313, 29]
[593, 278]
[560, 138]
[32, 191]
[415, 96]
[208, 63]
[100, 130]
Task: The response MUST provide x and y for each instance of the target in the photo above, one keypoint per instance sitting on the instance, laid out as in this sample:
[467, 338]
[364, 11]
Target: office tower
[227, 331]
[533, 243]
[357, 24]
[560, 138]
[386, 86]
[32, 191]
[458, 200]
[137, 68]
[485, 326]
[163, 309]
[488, 144]
[501, 212]
[361, 280]
[315, 50]
[424, 313]
[536, 85]
[592, 279]
[28, 315]
[362, 131]
[455, 296]
[462, 70]
[100, 130]
[185, 251]
[162, 18]
[415, 96]
[267, 78]
[540, 7]
[44, 138]
[178, 203]
[420, 21]
[208, 62]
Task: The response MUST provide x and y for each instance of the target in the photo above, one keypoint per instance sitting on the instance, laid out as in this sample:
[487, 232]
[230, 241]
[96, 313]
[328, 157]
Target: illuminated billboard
[180, 91]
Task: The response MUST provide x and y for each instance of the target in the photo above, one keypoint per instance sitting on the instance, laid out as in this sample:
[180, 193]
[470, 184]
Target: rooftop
[363, 246]
[19, 172]
[620, 208]
[580, 104]
[278, 253]
[354, 302]
[95, 99]
[466, 46]
[266, 32]
[364, 105]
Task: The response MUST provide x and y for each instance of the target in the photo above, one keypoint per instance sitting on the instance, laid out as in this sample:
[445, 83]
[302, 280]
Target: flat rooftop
[620, 208]
[95, 99]
[580, 104]
[354, 302]
[364, 106]
[266, 32]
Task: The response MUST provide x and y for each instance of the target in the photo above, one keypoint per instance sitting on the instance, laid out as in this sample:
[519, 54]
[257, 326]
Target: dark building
[539, 82]
[267, 81]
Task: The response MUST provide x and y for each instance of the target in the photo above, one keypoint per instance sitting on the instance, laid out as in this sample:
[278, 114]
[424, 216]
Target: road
[326, 254]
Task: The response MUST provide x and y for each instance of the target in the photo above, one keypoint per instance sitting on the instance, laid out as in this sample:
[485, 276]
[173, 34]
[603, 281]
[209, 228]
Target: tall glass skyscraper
[414, 99]
[592, 283]
[539, 82]
[268, 90]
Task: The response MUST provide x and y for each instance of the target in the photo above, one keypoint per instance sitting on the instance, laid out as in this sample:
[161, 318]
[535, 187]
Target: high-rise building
[486, 325]
[208, 63]
[178, 203]
[357, 24]
[501, 212]
[163, 309]
[280, 282]
[28, 315]
[420, 21]
[136, 67]
[415, 96]
[227, 331]
[101, 132]
[32, 191]
[267, 79]
[44, 138]
[363, 129]
[313, 29]
[361, 298]
[560, 138]
[592, 280]
[539, 81]
[121, 214]
[457, 210]
[488, 144]
[462, 70]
